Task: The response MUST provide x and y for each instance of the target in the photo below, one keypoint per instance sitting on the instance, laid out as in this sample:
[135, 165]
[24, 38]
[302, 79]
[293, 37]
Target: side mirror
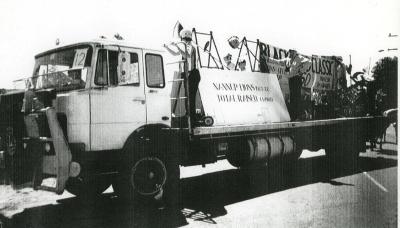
[84, 74]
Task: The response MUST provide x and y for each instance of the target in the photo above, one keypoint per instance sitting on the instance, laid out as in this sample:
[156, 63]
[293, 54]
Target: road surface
[308, 194]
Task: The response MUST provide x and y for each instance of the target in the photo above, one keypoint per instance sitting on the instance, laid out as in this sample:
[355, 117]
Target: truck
[105, 112]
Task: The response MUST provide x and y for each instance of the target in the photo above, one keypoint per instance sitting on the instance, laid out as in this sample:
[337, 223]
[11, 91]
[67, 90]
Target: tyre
[87, 188]
[342, 154]
[149, 171]
[19, 163]
[238, 154]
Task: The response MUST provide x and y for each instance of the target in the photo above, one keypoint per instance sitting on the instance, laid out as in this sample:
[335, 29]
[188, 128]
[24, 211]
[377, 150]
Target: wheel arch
[147, 130]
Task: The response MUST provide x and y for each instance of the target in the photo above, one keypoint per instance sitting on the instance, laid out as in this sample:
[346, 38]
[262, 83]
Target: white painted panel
[112, 135]
[236, 97]
[75, 105]
[116, 113]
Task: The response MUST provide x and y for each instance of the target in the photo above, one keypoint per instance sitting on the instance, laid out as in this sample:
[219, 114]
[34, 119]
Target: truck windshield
[62, 69]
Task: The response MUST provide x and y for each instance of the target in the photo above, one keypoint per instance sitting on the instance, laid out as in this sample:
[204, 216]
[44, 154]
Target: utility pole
[390, 49]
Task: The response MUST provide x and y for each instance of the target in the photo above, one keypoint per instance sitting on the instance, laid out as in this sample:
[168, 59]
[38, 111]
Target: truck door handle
[152, 91]
[139, 99]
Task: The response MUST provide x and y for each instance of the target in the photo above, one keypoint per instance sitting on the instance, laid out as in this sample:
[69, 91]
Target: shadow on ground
[204, 197]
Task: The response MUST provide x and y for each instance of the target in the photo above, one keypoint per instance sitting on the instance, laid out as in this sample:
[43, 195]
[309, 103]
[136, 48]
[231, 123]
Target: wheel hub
[151, 175]
[148, 175]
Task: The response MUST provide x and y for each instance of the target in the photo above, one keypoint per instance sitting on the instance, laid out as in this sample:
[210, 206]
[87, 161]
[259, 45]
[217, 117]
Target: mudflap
[178, 142]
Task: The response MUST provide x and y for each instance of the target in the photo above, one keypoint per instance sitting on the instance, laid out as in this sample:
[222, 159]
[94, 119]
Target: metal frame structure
[211, 43]
[244, 43]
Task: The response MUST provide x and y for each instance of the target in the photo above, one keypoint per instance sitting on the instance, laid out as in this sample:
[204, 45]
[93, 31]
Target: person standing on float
[194, 76]
[296, 65]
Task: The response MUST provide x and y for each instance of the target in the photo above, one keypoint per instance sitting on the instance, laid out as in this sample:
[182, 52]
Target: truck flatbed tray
[217, 130]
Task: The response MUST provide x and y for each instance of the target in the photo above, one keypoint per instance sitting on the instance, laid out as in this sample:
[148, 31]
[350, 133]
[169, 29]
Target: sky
[342, 27]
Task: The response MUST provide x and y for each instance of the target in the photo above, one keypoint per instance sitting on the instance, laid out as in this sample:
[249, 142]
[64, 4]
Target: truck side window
[101, 77]
[154, 71]
[116, 68]
[113, 67]
[107, 68]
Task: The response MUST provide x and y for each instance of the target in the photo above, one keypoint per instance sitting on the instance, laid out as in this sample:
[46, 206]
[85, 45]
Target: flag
[177, 29]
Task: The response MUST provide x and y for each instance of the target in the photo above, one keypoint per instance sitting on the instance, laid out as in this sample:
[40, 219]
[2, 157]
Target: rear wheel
[343, 153]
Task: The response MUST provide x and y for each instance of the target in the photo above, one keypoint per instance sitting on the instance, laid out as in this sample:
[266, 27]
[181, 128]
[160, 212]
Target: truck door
[117, 97]
[157, 92]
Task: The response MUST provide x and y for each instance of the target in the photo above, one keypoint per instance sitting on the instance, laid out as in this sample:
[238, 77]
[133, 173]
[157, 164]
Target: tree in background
[385, 84]
[366, 97]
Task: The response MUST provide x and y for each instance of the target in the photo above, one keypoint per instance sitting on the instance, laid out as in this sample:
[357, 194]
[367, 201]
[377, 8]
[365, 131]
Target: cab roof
[105, 42]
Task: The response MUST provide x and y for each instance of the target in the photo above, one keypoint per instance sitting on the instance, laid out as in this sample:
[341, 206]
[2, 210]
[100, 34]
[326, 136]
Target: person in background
[296, 65]
[190, 56]
[242, 65]
[234, 42]
[341, 70]
[228, 62]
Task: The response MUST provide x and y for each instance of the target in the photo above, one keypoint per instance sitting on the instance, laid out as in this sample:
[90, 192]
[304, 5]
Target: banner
[318, 74]
[239, 97]
[267, 50]
[323, 68]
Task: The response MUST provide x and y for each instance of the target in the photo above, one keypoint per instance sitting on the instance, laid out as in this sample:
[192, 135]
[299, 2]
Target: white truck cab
[122, 87]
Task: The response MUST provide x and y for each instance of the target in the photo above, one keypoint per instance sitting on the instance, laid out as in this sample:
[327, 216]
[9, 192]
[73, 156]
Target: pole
[186, 81]
[197, 44]
[369, 66]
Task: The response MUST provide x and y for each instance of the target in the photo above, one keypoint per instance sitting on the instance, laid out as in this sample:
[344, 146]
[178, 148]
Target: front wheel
[148, 172]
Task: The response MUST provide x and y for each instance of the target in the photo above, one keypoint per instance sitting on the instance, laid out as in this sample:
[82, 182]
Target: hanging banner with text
[239, 97]
[323, 68]
[267, 50]
[318, 74]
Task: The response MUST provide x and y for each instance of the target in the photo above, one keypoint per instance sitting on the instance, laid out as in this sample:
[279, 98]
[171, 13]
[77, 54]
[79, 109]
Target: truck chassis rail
[221, 131]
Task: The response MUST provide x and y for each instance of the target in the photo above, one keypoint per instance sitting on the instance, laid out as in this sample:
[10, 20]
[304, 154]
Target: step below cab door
[157, 89]
[118, 104]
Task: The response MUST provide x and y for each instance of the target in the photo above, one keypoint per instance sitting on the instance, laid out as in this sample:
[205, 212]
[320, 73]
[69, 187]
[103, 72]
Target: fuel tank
[259, 150]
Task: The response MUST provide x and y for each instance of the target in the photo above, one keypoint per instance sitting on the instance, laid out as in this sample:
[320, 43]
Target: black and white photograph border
[186, 113]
